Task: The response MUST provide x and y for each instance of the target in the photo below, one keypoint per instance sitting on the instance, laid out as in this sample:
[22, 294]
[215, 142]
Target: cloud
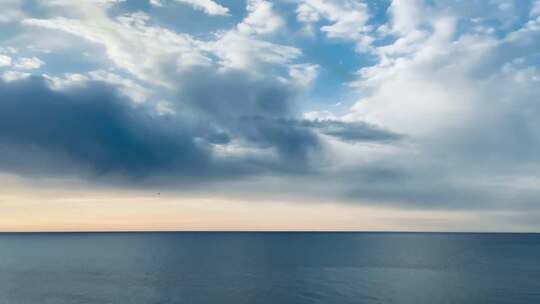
[84, 2]
[535, 9]
[352, 131]
[296, 135]
[155, 54]
[261, 18]
[406, 16]
[224, 100]
[87, 128]
[126, 86]
[157, 3]
[131, 44]
[14, 75]
[28, 63]
[11, 11]
[5, 60]
[90, 127]
[349, 19]
[238, 51]
[243, 48]
[208, 6]
[226, 80]
[304, 74]
[443, 113]
[465, 100]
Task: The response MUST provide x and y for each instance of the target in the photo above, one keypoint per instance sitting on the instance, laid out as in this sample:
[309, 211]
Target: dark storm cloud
[221, 96]
[292, 142]
[296, 134]
[93, 128]
[262, 111]
[352, 131]
[223, 100]
[90, 126]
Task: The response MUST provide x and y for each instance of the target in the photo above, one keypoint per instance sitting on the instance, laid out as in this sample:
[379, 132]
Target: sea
[273, 268]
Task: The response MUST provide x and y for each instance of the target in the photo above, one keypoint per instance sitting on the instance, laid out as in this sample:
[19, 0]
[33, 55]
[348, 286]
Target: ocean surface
[274, 268]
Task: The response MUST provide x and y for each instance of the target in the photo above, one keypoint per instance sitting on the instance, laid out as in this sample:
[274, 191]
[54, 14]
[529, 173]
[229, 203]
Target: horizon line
[266, 231]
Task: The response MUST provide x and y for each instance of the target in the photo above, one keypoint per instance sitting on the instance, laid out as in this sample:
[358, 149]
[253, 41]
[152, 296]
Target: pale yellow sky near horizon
[26, 207]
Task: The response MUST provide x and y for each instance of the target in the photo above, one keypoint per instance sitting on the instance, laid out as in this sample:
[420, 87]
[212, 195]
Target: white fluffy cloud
[126, 86]
[467, 102]
[5, 60]
[147, 51]
[436, 81]
[245, 48]
[304, 74]
[535, 10]
[208, 6]
[427, 96]
[406, 16]
[239, 51]
[131, 44]
[261, 18]
[348, 19]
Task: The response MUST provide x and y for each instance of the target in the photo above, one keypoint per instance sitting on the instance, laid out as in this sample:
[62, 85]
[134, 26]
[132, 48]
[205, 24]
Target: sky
[369, 115]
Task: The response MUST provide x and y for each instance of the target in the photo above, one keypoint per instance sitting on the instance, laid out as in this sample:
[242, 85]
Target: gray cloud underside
[92, 130]
[92, 127]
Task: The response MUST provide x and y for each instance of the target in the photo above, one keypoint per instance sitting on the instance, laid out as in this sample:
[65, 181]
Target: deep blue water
[269, 268]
